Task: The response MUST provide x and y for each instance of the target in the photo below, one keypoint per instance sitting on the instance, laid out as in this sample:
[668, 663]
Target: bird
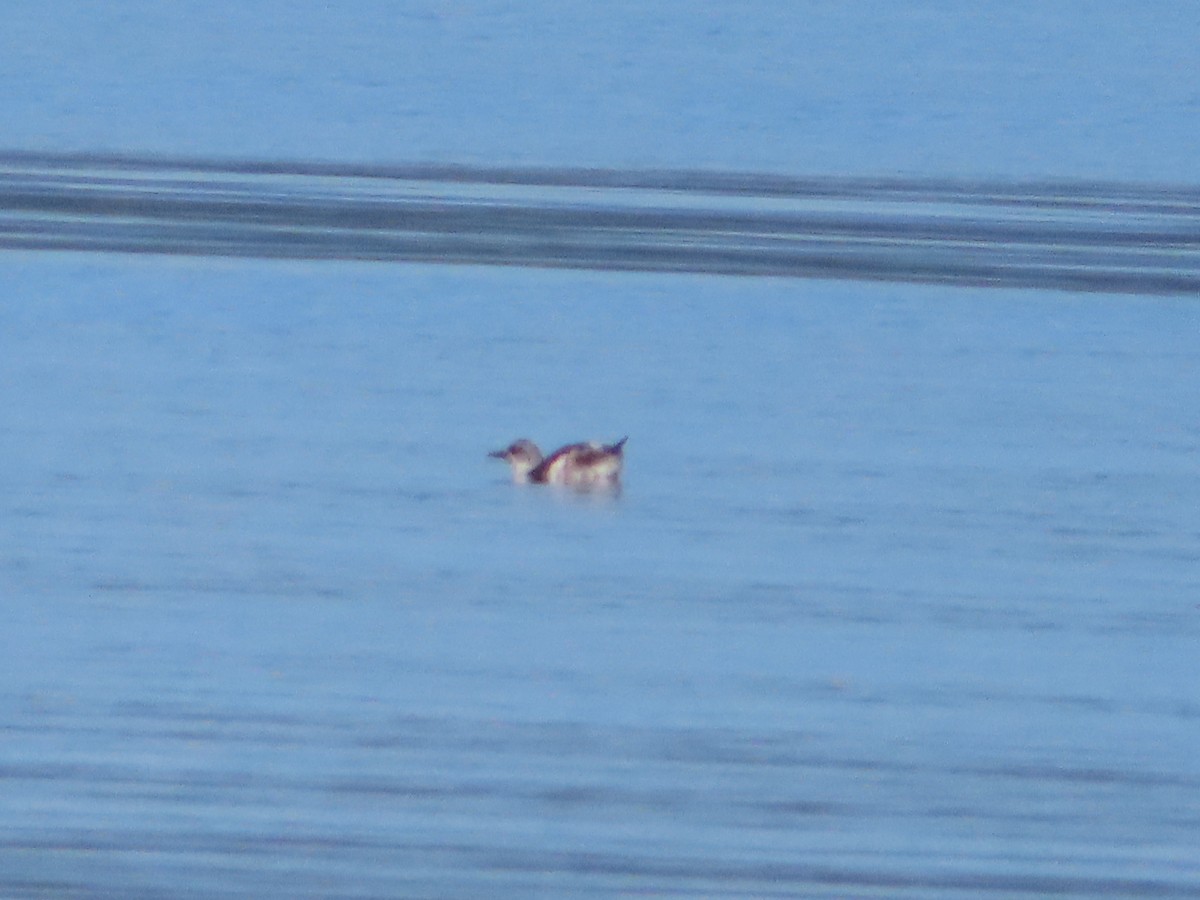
[584, 466]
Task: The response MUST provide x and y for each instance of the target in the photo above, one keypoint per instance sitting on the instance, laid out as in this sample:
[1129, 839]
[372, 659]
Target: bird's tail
[618, 446]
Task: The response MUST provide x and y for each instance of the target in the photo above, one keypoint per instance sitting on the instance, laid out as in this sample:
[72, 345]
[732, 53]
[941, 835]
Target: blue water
[900, 598]
[1011, 88]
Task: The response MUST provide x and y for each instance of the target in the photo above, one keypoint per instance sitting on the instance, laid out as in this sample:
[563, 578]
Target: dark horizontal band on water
[1064, 235]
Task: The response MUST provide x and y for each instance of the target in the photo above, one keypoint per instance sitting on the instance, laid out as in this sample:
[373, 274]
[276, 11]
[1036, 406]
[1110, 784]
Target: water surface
[899, 598]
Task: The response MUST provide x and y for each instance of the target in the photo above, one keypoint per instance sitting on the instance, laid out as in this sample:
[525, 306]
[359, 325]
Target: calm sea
[900, 598]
